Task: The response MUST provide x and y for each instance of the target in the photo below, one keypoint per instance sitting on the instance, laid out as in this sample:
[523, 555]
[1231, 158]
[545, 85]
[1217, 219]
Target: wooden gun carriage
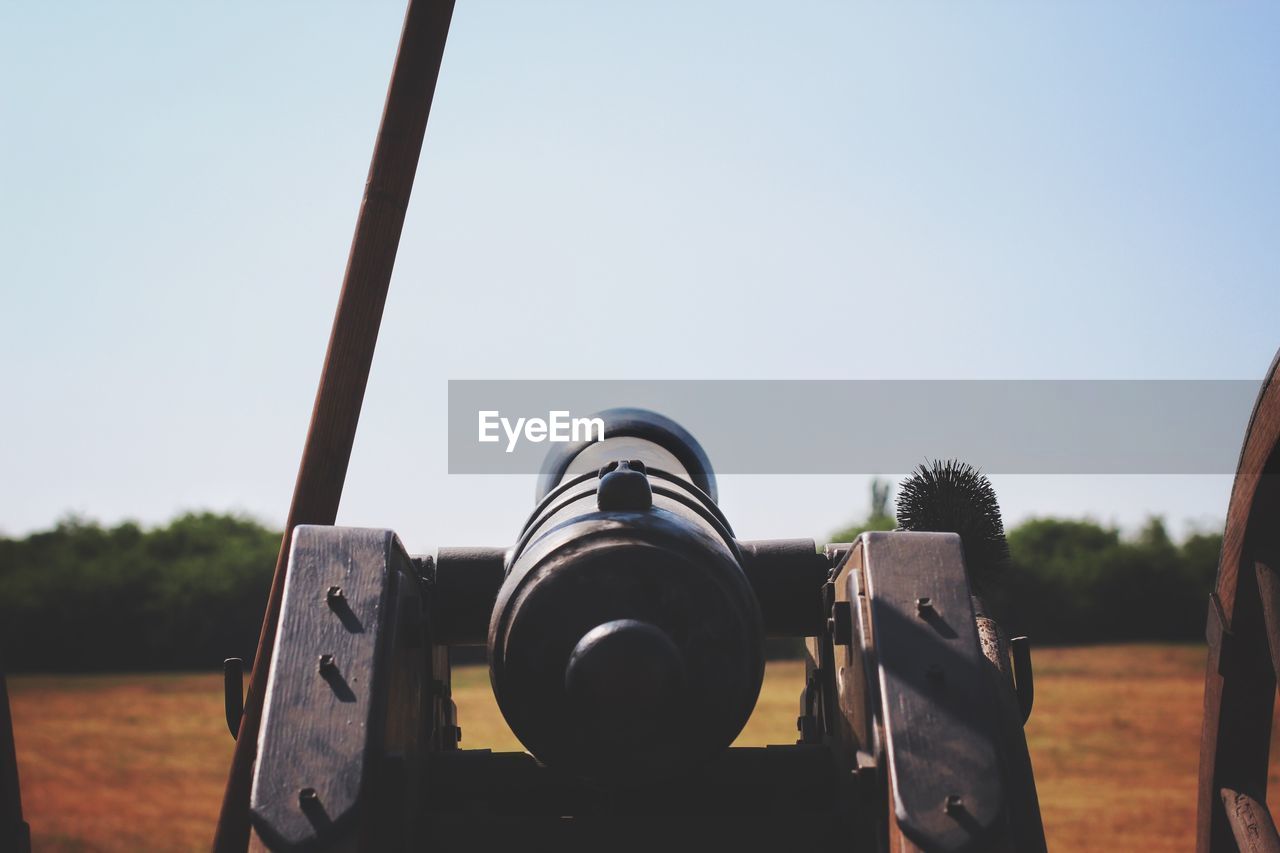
[624, 633]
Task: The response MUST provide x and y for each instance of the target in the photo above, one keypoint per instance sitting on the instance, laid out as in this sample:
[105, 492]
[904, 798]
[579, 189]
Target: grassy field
[137, 762]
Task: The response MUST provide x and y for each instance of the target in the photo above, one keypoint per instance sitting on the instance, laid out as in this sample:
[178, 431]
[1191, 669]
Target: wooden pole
[327, 451]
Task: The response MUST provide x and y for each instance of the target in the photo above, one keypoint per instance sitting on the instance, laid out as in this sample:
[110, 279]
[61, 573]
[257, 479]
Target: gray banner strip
[879, 426]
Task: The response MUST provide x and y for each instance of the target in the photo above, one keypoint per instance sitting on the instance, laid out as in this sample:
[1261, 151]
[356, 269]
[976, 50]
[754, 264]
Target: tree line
[185, 595]
[1075, 581]
[82, 597]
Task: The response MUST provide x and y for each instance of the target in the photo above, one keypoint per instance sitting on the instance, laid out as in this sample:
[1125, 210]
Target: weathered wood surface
[1239, 677]
[321, 725]
[1250, 821]
[327, 450]
[935, 694]
[1269, 595]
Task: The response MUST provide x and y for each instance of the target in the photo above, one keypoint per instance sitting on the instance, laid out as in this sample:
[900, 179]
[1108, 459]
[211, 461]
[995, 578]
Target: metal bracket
[1023, 681]
[233, 693]
[807, 722]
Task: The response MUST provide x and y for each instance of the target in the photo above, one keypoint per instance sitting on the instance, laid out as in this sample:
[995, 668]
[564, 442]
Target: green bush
[83, 597]
[1079, 582]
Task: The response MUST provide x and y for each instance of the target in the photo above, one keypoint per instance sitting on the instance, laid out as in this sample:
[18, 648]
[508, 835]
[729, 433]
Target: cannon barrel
[626, 643]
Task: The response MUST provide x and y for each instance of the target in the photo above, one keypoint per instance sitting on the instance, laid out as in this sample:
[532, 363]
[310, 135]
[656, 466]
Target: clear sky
[641, 190]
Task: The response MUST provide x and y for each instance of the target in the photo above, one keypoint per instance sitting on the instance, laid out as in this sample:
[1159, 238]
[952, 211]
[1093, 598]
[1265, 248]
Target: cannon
[625, 633]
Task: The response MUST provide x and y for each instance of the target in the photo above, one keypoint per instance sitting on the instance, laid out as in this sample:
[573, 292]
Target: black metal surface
[626, 641]
[1023, 677]
[625, 681]
[787, 576]
[635, 423]
[467, 785]
[465, 583]
[653, 567]
[233, 693]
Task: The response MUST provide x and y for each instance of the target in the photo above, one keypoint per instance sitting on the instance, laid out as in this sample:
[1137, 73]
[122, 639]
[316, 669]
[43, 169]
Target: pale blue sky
[1070, 190]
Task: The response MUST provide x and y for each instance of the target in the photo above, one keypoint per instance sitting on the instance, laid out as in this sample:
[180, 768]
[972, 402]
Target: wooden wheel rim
[1240, 678]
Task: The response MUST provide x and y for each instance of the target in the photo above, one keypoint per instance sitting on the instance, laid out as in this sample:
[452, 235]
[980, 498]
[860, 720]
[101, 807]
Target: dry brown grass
[132, 762]
[137, 762]
[1115, 739]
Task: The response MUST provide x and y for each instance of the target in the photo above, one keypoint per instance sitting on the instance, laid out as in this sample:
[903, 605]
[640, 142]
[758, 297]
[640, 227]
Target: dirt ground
[137, 762]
